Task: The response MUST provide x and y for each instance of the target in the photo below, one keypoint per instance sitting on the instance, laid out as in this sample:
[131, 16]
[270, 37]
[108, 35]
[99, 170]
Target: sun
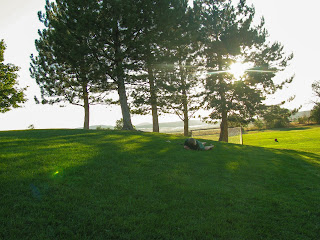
[238, 69]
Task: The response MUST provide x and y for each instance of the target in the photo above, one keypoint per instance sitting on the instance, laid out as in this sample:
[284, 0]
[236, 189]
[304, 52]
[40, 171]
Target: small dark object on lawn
[276, 140]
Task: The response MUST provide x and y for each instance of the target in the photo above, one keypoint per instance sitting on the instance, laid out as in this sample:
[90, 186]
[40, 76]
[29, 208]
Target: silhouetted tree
[316, 88]
[228, 36]
[315, 112]
[65, 67]
[161, 30]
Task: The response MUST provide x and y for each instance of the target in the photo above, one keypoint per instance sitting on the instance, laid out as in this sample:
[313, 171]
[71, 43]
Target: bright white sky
[293, 24]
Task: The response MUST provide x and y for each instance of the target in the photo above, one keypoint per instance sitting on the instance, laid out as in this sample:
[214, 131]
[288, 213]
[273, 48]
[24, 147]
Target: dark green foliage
[315, 113]
[230, 36]
[303, 119]
[65, 67]
[258, 123]
[10, 95]
[181, 83]
[276, 117]
[119, 124]
[316, 88]
[161, 37]
[78, 184]
[155, 48]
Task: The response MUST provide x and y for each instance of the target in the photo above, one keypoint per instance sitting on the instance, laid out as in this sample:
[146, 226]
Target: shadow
[277, 129]
[291, 129]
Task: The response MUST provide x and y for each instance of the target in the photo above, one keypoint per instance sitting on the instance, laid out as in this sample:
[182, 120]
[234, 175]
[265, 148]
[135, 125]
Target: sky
[292, 23]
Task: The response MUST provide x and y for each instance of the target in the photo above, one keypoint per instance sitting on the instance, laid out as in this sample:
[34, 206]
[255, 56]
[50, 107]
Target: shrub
[119, 125]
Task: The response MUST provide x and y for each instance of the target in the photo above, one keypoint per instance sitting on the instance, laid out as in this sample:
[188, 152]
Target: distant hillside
[176, 126]
[300, 114]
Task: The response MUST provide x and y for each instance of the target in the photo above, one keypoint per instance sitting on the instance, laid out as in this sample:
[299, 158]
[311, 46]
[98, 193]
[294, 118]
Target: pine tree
[161, 21]
[228, 36]
[65, 67]
[122, 25]
[10, 95]
[181, 83]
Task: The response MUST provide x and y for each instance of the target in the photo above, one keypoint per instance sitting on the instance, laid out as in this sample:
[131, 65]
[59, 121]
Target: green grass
[305, 139]
[75, 184]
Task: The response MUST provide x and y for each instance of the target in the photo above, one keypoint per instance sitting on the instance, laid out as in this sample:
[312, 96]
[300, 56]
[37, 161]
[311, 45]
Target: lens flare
[238, 69]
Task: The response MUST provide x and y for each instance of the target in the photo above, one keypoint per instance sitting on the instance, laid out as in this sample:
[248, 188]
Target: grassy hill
[76, 184]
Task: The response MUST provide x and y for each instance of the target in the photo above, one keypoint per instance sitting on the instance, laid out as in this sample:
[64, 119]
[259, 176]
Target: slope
[75, 184]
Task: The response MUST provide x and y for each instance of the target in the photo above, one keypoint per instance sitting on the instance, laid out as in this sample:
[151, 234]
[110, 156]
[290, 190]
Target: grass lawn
[76, 184]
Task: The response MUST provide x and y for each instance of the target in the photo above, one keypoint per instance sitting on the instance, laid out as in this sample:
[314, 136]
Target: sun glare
[238, 69]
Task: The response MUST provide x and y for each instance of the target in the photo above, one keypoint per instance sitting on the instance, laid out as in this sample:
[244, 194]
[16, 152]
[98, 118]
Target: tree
[315, 113]
[181, 84]
[316, 88]
[181, 89]
[158, 38]
[228, 36]
[10, 95]
[276, 117]
[65, 68]
[119, 26]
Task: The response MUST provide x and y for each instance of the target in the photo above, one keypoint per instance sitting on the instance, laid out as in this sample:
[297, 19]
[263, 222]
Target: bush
[119, 125]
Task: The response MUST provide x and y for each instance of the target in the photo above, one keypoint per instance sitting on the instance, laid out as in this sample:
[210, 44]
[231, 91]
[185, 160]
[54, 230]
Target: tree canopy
[315, 112]
[10, 95]
[229, 36]
[65, 67]
[160, 56]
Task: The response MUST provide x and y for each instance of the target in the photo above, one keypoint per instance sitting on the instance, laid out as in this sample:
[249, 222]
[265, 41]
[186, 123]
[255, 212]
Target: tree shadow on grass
[290, 129]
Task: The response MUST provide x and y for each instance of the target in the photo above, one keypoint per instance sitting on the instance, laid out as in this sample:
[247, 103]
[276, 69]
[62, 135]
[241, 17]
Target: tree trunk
[185, 114]
[186, 124]
[154, 105]
[224, 120]
[224, 126]
[86, 107]
[127, 124]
